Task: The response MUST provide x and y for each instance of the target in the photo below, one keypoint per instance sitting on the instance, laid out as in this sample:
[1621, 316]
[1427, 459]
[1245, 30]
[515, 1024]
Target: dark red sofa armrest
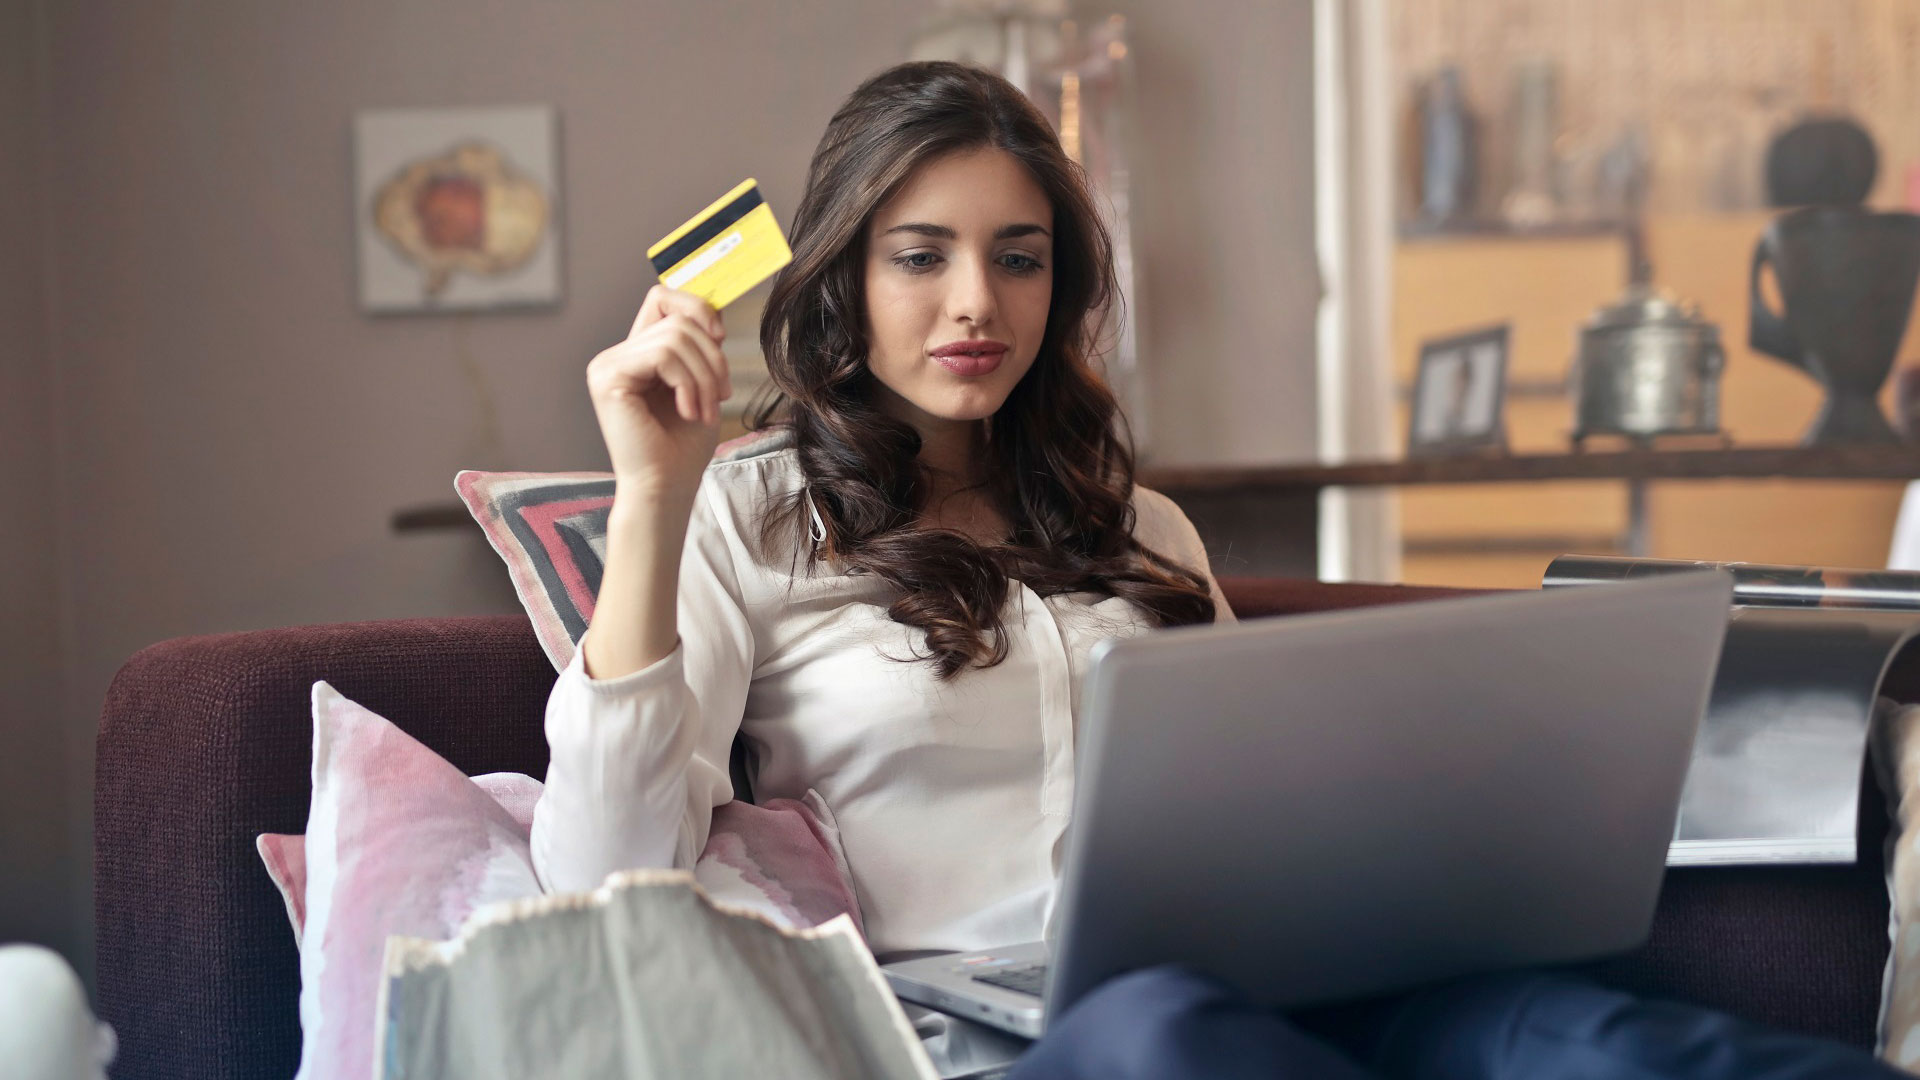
[1258, 597]
[205, 742]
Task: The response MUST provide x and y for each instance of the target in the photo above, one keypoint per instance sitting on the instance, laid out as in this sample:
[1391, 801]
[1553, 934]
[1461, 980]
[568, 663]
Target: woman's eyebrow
[924, 229]
[942, 232]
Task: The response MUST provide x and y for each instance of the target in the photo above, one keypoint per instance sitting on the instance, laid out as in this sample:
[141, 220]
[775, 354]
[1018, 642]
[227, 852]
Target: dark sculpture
[1829, 161]
[1846, 276]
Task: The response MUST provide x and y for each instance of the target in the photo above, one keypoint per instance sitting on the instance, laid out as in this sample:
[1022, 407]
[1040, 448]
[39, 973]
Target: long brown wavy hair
[1059, 469]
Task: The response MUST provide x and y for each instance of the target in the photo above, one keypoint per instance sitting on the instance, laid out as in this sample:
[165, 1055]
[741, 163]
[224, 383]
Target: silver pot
[1647, 366]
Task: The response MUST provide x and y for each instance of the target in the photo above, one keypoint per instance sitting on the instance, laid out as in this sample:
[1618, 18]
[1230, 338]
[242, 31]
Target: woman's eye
[916, 261]
[1020, 264]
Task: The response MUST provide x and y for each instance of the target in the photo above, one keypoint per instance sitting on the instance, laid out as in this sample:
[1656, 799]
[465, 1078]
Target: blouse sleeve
[1161, 525]
[640, 761]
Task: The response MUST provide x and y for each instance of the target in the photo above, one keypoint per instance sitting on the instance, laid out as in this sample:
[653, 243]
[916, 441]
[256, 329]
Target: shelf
[1867, 462]
[1757, 463]
[1414, 232]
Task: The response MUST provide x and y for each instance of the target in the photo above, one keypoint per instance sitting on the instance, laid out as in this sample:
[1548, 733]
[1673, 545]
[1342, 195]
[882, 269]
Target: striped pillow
[551, 528]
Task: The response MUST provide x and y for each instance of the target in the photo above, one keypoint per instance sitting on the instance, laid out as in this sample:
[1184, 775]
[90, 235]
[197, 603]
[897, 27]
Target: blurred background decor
[1458, 394]
[1663, 115]
[1709, 83]
[456, 208]
[1448, 141]
[1845, 276]
[1647, 367]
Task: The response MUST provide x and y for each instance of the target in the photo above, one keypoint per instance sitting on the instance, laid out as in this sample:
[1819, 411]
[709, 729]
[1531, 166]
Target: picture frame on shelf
[1459, 395]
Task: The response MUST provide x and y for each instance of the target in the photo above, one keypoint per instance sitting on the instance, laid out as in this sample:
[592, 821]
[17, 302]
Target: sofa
[205, 742]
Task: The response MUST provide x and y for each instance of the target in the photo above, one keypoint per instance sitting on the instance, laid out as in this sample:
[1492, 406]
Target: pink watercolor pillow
[400, 842]
[782, 859]
[285, 854]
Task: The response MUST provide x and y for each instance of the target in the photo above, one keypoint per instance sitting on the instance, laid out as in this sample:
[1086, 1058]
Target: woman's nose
[970, 295]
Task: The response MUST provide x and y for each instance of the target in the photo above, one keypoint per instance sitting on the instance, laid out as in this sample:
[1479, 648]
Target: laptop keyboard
[1030, 979]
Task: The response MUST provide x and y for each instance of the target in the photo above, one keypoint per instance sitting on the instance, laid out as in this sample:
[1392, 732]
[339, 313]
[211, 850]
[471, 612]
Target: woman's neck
[954, 455]
[952, 451]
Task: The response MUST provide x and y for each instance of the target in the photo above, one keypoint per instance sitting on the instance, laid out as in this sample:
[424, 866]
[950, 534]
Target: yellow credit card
[723, 250]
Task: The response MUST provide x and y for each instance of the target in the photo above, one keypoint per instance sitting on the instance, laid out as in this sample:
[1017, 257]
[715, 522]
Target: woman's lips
[970, 358]
[970, 363]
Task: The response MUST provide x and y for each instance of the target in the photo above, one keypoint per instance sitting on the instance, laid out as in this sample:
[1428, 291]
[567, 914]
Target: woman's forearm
[635, 617]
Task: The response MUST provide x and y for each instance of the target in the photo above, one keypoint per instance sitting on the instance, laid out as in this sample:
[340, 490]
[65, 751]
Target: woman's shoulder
[744, 467]
[1161, 526]
[1154, 512]
[748, 477]
[768, 442]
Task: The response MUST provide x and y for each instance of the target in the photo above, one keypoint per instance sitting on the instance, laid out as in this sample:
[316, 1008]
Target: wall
[43, 858]
[235, 434]
[1228, 268]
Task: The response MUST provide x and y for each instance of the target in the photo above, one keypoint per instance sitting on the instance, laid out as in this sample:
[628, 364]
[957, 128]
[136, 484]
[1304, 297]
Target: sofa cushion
[398, 842]
[551, 530]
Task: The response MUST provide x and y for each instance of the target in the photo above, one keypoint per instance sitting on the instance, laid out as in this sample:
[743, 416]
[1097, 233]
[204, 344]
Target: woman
[891, 609]
[892, 604]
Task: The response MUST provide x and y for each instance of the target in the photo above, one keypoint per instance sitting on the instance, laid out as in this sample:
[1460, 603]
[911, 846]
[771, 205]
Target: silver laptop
[1326, 807]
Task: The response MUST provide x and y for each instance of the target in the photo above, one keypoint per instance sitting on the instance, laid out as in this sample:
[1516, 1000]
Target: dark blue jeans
[1171, 1024]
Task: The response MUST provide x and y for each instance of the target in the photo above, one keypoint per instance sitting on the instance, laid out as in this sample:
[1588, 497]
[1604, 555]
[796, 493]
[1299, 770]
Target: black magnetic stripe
[706, 230]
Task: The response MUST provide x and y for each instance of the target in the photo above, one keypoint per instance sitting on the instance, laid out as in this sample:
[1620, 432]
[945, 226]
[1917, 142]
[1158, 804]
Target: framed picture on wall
[1459, 395]
[456, 209]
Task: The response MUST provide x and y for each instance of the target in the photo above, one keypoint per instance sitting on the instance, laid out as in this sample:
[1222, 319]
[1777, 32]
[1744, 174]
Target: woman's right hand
[657, 394]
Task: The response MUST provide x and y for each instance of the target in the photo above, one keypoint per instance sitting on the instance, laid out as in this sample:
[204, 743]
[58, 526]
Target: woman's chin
[949, 400]
[973, 405]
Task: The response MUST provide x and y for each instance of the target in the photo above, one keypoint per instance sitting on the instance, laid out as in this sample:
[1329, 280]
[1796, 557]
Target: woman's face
[959, 277]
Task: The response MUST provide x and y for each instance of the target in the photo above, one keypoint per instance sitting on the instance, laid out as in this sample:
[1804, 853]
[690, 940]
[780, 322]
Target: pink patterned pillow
[285, 854]
[400, 842]
[782, 859]
[286, 857]
[551, 528]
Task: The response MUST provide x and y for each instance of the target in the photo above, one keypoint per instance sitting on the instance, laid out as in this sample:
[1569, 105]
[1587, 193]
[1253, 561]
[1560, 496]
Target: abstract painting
[457, 209]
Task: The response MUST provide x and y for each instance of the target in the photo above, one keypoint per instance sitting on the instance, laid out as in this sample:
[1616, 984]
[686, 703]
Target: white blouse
[951, 799]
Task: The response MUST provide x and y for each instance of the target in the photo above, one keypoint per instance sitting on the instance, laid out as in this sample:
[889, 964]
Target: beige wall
[42, 856]
[1226, 240]
[233, 434]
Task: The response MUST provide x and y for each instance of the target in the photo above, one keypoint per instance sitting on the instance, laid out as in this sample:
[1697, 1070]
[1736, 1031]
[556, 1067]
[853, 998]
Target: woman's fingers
[706, 362]
[713, 357]
[662, 302]
[678, 350]
[693, 386]
[686, 393]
